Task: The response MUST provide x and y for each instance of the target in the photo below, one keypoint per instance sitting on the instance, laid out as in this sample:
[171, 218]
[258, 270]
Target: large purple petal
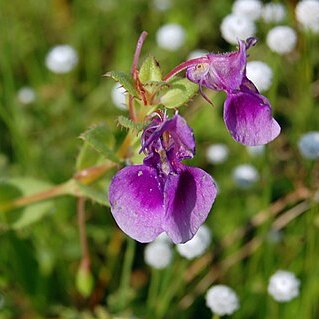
[137, 204]
[188, 199]
[248, 117]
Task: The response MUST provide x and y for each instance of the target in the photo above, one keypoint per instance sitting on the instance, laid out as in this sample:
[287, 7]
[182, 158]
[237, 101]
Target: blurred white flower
[61, 59]
[217, 153]
[170, 36]
[119, 96]
[250, 9]
[26, 95]
[255, 150]
[309, 145]
[236, 27]
[158, 254]
[222, 300]
[245, 176]
[307, 14]
[163, 237]
[162, 5]
[260, 74]
[196, 54]
[273, 12]
[281, 39]
[197, 245]
[283, 286]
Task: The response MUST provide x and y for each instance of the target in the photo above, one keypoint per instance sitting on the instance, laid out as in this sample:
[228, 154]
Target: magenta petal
[188, 199]
[248, 117]
[136, 200]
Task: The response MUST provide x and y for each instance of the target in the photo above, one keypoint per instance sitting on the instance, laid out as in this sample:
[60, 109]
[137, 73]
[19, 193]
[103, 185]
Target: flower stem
[86, 262]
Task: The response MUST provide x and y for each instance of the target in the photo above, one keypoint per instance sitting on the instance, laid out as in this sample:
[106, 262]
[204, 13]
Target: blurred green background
[39, 145]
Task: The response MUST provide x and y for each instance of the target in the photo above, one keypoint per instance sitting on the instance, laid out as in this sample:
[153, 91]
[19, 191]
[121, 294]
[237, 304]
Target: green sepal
[84, 281]
[124, 79]
[179, 93]
[101, 139]
[150, 71]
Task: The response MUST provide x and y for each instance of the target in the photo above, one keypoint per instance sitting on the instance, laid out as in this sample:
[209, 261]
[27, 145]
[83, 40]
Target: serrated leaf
[180, 92]
[101, 139]
[124, 79]
[19, 218]
[129, 124]
[86, 158]
[150, 71]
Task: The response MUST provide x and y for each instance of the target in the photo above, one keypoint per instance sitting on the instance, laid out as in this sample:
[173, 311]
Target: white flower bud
[260, 74]
[309, 145]
[26, 95]
[236, 27]
[119, 97]
[158, 254]
[217, 153]
[273, 12]
[197, 245]
[250, 9]
[170, 37]
[283, 286]
[307, 14]
[281, 39]
[245, 176]
[61, 59]
[222, 300]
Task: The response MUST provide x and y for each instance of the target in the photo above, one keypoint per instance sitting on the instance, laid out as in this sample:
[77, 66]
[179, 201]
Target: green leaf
[129, 124]
[86, 158]
[150, 71]
[19, 218]
[124, 79]
[101, 139]
[94, 193]
[180, 92]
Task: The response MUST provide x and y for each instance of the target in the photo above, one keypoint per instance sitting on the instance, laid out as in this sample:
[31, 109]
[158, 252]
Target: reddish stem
[185, 65]
[138, 51]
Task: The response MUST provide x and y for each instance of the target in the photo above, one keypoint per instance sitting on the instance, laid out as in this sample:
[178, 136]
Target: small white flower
[163, 237]
[162, 5]
[217, 153]
[307, 14]
[255, 150]
[283, 286]
[158, 254]
[170, 36]
[197, 245]
[61, 59]
[281, 39]
[309, 145]
[222, 300]
[260, 74]
[26, 95]
[250, 9]
[119, 96]
[196, 54]
[245, 176]
[236, 27]
[273, 12]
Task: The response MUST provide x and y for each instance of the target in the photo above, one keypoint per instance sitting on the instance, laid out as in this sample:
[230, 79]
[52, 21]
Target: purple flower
[247, 114]
[162, 194]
